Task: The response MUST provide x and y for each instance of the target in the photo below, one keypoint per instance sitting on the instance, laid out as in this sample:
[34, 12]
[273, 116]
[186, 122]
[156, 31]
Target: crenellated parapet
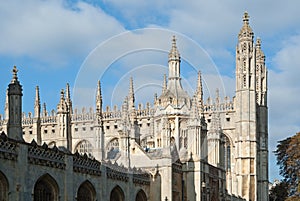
[147, 112]
[140, 177]
[8, 148]
[226, 106]
[111, 115]
[49, 120]
[116, 175]
[118, 172]
[84, 164]
[45, 156]
[83, 116]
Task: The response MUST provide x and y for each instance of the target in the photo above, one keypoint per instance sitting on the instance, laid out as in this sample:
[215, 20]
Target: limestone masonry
[178, 148]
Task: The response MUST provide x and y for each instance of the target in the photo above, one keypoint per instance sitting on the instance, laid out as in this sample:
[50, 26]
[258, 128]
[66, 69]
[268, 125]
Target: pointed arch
[84, 147]
[141, 196]
[3, 187]
[46, 189]
[112, 148]
[86, 192]
[117, 194]
[228, 146]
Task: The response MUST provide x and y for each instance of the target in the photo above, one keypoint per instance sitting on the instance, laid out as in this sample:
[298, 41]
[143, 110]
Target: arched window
[172, 141]
[117, 194]
[3, 187]
[112, 148]
[227, 149]
[45, 189]
[141, 196]
[83, 147]
[86, 192]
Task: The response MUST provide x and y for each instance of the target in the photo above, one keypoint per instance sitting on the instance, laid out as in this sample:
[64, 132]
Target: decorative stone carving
[85, 165]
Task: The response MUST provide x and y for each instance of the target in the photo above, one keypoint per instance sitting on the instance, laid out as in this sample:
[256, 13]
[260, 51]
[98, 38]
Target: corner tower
[248, 120]
[14, 95]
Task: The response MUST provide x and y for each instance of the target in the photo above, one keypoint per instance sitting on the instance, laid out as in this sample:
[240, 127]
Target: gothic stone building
[179, 148]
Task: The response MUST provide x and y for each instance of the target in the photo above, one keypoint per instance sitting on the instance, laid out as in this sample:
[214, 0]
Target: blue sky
[60, 41]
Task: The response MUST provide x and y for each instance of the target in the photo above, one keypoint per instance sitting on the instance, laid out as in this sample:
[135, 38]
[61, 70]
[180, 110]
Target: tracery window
[227, 153]
[112, 148]
[84, 147]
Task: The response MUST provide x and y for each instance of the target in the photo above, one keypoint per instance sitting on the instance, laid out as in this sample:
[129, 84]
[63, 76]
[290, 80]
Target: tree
[288, 158]
[279, 192]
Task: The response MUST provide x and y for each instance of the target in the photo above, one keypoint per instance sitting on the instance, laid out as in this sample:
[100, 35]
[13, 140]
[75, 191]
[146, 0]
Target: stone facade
[191, 149]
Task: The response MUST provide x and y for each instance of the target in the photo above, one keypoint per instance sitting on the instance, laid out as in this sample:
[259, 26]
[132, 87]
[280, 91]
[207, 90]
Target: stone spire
[45, 110]
[131, 98]
[14, 93]
[199, 91]
[174, 61]
[217, 96]
[164, 88]
[99, 98]
[37, 103]
[68, 99]
[174, 53]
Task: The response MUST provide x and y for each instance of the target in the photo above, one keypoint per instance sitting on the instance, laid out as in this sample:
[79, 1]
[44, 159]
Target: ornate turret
[246, 32]
[173, 93]
[261, 75]
[174, 61]
[62, 106]
[245, 56]
[14, 93]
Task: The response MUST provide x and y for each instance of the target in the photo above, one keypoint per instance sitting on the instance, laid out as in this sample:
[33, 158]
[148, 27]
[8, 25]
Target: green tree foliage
[288, 158]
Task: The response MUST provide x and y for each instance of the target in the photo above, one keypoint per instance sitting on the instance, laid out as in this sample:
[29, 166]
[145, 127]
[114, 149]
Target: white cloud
[52, 32]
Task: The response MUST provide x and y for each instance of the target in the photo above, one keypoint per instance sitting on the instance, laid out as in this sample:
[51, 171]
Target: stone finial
[258, 42]
[246, 31]
[62, 94]
[174, 53]
[15, 75]
[246, 17]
